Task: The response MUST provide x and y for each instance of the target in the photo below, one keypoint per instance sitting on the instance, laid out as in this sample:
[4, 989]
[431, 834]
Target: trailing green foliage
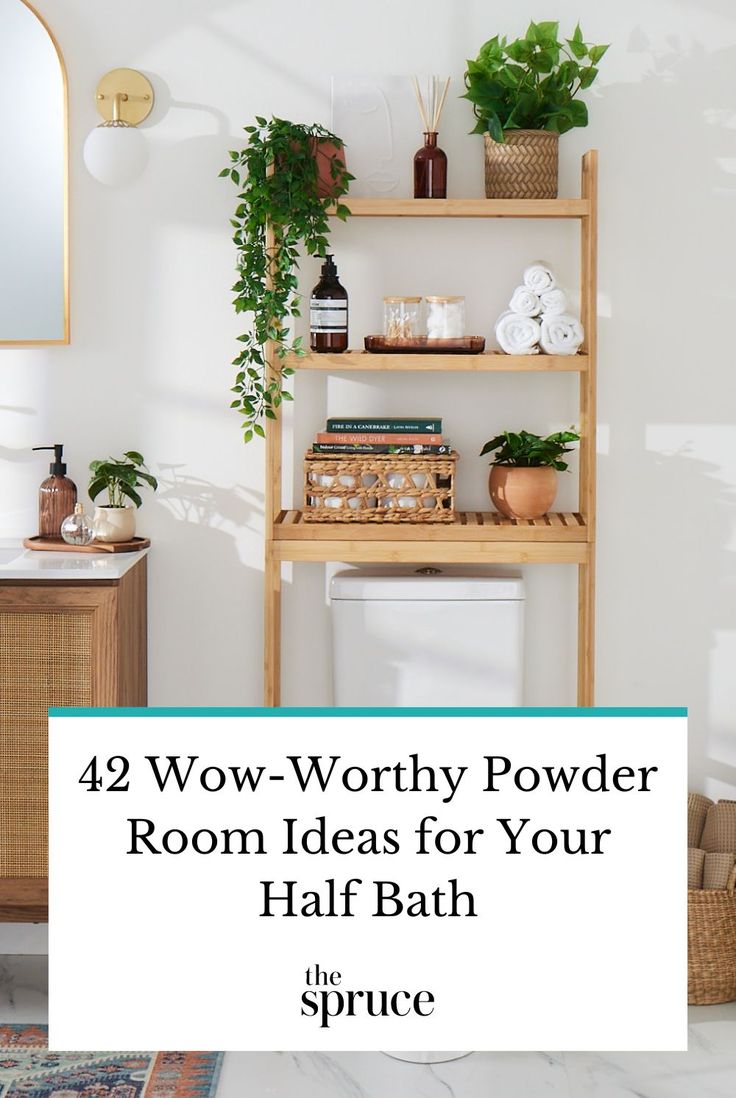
[532, 83]
[120, 477]
[277, 180]
[528, 451]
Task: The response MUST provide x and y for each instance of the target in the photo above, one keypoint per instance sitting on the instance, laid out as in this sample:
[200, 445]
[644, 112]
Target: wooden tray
[466, 345]
[58, 545]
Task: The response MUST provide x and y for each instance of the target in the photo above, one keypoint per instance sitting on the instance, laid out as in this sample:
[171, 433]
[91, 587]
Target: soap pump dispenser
[56, 496]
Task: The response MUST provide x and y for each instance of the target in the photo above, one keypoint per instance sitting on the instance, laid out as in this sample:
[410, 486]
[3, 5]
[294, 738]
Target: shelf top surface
[561, 208]
[468, 526]
[487, 361]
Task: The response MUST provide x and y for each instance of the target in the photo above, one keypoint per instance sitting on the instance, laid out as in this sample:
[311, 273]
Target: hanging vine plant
[288, 176]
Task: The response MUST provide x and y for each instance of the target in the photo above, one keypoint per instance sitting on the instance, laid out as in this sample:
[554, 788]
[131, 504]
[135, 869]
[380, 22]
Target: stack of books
[382, 436]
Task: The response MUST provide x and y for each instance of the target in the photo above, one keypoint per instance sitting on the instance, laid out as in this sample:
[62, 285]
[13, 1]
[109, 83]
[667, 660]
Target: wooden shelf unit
[478, 537]
[490, 362]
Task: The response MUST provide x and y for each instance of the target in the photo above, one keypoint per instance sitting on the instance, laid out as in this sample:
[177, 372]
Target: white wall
[153, 332]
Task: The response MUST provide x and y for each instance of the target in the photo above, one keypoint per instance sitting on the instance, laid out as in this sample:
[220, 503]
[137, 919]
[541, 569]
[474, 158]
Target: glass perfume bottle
[430, 170]
[77, 528]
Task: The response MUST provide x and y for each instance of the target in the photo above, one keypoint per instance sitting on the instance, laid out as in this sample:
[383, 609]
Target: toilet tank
[410, 636]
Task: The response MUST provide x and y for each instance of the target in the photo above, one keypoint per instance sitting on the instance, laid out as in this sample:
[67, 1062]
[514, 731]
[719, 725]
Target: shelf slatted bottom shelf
[476, 536]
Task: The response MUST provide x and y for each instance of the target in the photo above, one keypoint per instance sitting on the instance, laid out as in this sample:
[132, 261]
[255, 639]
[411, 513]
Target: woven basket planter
[711, 941]
[374, 488]
[524, 166]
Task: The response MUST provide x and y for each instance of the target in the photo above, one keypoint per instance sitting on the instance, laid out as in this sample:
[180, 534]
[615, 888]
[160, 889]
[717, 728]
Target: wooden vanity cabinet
[76, 643]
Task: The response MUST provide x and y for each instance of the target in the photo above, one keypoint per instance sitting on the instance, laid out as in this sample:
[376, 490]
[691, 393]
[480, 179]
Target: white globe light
[115, 153]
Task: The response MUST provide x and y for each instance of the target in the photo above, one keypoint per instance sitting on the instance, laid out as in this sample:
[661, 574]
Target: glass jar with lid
[402, 318]
[445, 317]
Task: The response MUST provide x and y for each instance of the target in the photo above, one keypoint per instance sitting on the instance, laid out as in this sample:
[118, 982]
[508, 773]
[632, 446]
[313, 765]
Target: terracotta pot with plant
[114, 521]
[523, 478]
[524, 95]
[288, 176]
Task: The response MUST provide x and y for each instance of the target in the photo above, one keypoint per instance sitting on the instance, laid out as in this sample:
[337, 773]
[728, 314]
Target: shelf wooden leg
[272, 632]
[586, 633]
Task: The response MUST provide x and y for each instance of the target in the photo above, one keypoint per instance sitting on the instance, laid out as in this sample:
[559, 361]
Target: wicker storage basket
[524, 166]
[711, 941]
[379, 488]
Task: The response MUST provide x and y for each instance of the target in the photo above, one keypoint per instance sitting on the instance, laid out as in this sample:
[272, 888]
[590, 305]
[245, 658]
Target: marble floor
[707, 1070]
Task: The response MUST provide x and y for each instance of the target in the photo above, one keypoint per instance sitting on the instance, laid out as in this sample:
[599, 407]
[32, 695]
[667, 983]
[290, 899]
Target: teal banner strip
[318, 711]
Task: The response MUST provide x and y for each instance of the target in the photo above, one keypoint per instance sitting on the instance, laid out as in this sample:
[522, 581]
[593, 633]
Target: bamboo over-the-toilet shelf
[476, 537]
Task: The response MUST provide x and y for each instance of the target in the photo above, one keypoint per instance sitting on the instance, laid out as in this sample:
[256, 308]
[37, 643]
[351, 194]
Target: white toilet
[450, 635]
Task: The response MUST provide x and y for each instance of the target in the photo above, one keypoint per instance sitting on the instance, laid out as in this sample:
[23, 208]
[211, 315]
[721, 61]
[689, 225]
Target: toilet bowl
[426, 636]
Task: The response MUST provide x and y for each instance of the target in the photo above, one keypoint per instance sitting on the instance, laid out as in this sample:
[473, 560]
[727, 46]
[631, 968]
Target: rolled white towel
[518, 335]
[525, 302]
[538, 278]
[561, 335]
[554, 302]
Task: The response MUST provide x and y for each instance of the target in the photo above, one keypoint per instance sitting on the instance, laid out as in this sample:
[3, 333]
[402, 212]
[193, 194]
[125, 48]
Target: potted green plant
[524, 95]
[288, 176]
[120, 478]
[523, 479]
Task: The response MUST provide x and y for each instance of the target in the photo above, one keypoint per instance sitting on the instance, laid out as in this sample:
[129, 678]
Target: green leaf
[579, 112]
[134, 456]
[596, 53]
[587, 76]
[520, 51]
[495, 128]
[97, 485]
[578, 49]
[545, 33]
[130, 493]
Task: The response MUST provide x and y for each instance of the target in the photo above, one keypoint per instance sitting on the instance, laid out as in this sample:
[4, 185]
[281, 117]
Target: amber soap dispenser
[56, 496]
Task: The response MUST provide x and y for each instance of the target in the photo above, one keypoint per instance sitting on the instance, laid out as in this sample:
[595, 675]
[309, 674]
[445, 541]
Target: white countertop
[708, 1068]
[17, 563]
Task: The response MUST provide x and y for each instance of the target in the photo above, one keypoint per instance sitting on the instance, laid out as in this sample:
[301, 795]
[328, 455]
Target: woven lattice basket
[711, 941]
[389, 488]
[523, 166]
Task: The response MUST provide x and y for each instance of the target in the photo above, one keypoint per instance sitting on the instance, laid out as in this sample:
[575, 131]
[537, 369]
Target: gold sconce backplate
[134, 93]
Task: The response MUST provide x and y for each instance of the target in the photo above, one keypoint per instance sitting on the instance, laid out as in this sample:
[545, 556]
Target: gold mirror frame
[65, 339]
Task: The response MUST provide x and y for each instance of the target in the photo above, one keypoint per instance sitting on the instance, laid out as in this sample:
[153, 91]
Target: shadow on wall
[675, 592]
[666, 571]
[204, 592]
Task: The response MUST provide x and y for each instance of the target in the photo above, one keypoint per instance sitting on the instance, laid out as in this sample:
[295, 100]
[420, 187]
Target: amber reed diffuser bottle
[430, 163]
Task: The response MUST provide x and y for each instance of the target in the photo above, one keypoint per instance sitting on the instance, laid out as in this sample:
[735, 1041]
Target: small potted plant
[524, 95]
[120, 477]
[523, 479]
[288, 176]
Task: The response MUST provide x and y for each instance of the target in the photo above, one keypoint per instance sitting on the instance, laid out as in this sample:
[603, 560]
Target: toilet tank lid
[446, 583]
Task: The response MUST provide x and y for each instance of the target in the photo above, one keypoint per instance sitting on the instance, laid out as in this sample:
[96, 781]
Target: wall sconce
[115, 152]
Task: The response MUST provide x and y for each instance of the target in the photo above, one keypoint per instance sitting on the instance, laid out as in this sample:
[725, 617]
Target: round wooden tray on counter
[58, 545]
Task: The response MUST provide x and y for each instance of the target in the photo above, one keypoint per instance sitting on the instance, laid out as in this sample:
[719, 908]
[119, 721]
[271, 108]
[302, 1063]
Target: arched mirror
[34, 261]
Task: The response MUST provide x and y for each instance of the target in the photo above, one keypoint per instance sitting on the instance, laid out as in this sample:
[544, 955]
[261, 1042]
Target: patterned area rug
[29, 1070]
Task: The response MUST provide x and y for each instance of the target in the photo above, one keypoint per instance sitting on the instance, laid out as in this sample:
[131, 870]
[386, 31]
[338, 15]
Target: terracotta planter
[324, 153]
[114, 523]
[522, 493]
[524, 166]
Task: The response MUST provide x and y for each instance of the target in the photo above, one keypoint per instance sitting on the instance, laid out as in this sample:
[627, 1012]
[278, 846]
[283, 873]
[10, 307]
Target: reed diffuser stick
[420, 103]
[438, 114]
[431, 101]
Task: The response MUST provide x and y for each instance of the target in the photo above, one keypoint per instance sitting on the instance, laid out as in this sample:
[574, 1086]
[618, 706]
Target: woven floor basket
[711, 941]
[377, 488]
[524, 166]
